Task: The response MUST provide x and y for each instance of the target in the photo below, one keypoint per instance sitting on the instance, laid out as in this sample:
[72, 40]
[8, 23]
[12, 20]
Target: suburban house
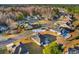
[32, 19]
[3, 28]
[74, 50]
[63, 31]
[20, 49]
[43, 40]
[65, 26]
[17, 49]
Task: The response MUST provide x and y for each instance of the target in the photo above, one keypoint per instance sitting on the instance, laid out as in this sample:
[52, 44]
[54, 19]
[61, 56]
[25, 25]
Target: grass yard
[34, 48]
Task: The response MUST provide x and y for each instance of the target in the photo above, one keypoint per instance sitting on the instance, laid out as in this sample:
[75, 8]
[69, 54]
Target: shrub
[20, 16]
[53, 48]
